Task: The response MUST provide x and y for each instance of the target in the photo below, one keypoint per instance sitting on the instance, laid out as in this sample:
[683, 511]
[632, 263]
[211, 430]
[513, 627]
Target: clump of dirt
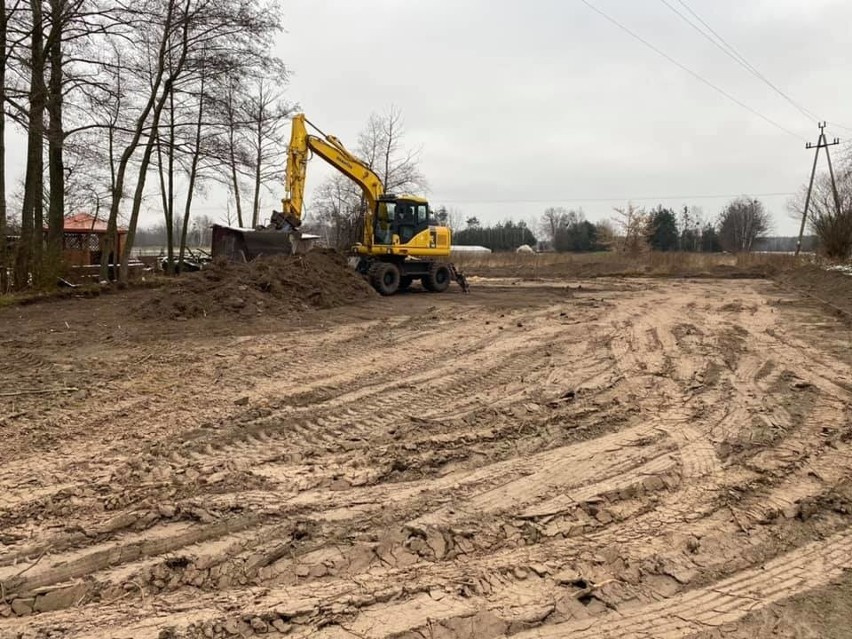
[279, 284]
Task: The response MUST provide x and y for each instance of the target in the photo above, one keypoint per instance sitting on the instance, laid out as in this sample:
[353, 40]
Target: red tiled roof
[83, 222]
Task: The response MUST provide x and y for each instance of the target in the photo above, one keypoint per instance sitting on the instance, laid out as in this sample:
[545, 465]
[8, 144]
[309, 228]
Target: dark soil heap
[830, 287]
[276, 284]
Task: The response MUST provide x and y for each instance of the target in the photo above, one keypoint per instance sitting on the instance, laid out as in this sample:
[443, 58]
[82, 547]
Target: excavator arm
[330, 149]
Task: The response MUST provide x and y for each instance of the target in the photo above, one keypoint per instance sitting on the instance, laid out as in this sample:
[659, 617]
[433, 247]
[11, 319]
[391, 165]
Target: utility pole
[822, 143]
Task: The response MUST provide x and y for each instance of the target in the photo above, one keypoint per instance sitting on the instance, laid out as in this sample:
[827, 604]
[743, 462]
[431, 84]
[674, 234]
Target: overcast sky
[522, 105]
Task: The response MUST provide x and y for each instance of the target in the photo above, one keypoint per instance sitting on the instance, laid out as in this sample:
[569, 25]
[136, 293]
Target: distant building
[458, 248]
[84, 239]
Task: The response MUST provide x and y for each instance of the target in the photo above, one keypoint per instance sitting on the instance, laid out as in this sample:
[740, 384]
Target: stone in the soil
[281, 626]
[22, 607]
[60, 598]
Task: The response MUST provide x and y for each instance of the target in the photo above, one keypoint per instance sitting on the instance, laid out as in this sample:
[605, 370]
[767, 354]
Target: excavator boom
[330, 149]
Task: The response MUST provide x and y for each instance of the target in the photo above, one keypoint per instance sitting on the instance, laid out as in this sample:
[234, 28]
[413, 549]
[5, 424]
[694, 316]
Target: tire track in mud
[325, 430]
[684, 508]
[475, 541]
[520, 364]
[610, 487]
[809, 567]
[354, 417]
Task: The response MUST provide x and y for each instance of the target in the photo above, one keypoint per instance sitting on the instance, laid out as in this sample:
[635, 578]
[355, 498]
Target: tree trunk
[161, 171]
[29, 247]
[55, 136]
[170, 221]
[232, 143]
[4, 273]
[258, 159]
[193, 172]
[111, 238]
[154, 138]
[137, 201]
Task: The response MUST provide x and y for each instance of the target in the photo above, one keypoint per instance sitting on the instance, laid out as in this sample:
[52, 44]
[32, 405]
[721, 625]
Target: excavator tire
[384, 276]
[438, 278]
[405, 282]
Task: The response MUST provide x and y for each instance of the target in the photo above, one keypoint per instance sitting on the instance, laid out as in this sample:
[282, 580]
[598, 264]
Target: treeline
[503, 236]
[634, 229]
[126, 102]
[570, 231]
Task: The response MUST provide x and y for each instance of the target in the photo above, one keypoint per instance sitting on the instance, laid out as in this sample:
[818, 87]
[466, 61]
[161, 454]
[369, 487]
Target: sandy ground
[607, 458]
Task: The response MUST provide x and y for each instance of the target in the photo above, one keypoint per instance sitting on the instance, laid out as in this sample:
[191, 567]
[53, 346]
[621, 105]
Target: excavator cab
[399, 220]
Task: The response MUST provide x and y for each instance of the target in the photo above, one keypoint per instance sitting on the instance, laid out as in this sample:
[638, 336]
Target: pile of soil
[276, 284]
[833, 288]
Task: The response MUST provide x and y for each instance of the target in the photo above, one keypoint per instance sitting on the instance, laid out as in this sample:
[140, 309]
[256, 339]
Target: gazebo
[84, 238]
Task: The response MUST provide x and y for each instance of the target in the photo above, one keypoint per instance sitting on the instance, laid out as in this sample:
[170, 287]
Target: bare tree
[8, 11]
[337, 206]
[606, 235]
[234, 151]
[631, 223]
[381, 143]
[60, 14]
[267, 115]
[455, 218]
[91, 82]
[195, 158]
[209, 40]
[61, 68]
[450, 217]
[551, 221]
[381, 147]
[165, 29]
[32, 211]
[741, 222]
[691, 222]
[833, 227]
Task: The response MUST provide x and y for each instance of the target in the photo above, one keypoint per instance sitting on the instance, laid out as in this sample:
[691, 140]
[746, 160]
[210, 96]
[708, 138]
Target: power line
[729, 49]
[717, 196]
[840, 126]
[694, 74]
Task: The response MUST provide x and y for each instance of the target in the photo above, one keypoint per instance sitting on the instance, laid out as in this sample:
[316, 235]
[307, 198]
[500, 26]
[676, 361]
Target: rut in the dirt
[580, 463]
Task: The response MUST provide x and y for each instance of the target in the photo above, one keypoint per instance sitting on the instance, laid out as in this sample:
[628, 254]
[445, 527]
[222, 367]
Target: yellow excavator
[402, 241]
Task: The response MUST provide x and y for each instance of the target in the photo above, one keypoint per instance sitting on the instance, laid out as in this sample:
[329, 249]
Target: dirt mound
[280, 284]
[833, 288]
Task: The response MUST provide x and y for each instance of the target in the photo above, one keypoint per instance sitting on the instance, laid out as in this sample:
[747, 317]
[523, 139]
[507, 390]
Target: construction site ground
[613, 457]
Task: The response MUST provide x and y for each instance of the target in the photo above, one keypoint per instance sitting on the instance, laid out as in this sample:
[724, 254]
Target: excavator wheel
[385, 277]
[405, 282]
[438, 278]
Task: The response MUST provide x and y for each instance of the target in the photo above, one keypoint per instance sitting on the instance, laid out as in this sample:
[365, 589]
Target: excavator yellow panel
[433, 242]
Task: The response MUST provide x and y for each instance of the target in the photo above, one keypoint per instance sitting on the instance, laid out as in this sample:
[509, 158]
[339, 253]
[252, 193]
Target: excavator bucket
[245, 245]
[280, 237]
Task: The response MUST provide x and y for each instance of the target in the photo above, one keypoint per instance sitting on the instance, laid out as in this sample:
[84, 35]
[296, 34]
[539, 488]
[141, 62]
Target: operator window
[422, 215]
[384, 221]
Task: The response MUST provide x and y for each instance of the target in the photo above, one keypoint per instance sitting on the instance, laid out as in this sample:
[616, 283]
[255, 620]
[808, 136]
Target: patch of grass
[25, 298]
[608, 264]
